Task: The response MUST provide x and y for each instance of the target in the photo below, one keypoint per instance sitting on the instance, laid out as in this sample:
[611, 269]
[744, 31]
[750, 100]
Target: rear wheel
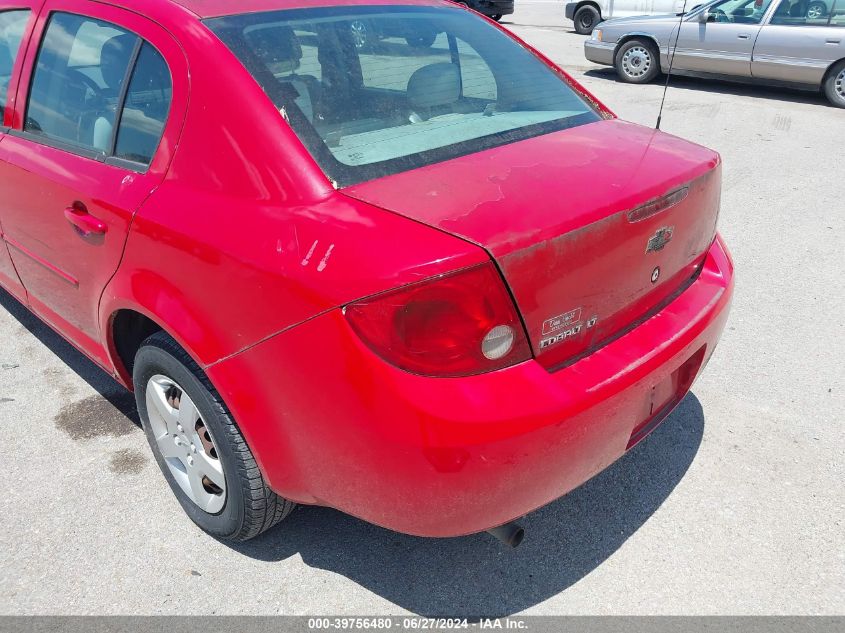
[586, 18]
[198, 446]
[834, 85]
[637, 62]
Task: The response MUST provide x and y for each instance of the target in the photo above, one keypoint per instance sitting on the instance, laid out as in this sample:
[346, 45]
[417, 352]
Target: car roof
[216, 8]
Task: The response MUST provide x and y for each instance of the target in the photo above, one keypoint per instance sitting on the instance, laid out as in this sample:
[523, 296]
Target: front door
[84, 156]
[722, 44]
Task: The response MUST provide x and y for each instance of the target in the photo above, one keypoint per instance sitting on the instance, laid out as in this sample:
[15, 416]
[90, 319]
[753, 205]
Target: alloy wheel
[186, 444]
[816, 11]
[359, 33]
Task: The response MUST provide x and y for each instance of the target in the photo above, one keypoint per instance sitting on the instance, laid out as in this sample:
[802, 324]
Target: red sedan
[434, 287]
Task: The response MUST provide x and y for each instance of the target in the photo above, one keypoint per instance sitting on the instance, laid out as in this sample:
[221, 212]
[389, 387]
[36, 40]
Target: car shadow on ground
[727, 87]
[100, 381]
[472, 576]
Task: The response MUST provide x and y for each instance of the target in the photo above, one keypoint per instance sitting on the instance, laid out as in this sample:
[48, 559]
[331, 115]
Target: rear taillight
[460, 324]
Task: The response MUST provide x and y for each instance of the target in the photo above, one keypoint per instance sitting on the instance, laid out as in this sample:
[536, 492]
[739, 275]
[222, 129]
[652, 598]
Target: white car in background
[586, 14]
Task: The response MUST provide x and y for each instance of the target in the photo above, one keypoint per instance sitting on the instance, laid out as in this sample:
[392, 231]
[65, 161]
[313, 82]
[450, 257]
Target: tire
[232, 501]
[497, 17]
[637, 62]
[816, 10]
[586, 19]
[834, 85]
[421, 40]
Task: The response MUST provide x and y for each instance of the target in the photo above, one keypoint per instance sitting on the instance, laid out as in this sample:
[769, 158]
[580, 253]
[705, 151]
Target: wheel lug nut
[179, 427]
[190, 461]
[193, 448]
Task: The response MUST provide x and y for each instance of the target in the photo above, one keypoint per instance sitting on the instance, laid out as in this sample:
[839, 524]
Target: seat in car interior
[783, 9]
[5, 67]
[114, 60]
[279, 48]
[434, 86]
[145, 110]
[797, 10]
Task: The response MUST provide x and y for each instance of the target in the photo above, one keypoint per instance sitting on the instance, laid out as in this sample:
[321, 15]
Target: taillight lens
[460, 324]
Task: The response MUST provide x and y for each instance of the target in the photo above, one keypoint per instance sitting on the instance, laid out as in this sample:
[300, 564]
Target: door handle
[85, 223]
[833, 41]
[743, 36]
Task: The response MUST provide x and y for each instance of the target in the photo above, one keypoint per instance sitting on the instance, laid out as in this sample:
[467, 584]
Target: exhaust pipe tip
[510, 534]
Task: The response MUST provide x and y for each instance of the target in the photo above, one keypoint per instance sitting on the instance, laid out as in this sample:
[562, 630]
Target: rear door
[16, 21]
[104, 86]
[724, 44]
[800, 42]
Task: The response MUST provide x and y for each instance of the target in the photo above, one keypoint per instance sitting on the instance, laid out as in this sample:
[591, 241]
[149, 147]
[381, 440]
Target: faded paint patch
[127, 462]
[96, 416]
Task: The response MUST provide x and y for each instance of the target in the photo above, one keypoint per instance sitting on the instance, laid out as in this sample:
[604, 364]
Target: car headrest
[114, 58]
[434, 85]
[276, 46]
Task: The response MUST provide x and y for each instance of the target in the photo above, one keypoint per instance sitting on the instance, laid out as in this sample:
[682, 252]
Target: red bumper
[332, 424]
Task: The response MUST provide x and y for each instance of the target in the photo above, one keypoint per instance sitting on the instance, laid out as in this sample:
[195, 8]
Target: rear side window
[78, 81]
[99, 90]
[146, 108]
[12, 26]
[808, 13]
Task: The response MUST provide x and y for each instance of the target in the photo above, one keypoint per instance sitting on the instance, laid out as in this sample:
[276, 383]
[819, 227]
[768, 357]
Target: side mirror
[705, 16]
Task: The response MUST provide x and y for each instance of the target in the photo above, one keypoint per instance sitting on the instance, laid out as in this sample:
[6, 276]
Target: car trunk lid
[593, 228]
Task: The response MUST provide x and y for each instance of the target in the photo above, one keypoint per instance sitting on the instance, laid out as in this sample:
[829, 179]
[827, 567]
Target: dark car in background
[495, 9]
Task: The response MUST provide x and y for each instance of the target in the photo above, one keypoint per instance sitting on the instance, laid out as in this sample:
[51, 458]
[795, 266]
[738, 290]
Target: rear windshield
[373, 91]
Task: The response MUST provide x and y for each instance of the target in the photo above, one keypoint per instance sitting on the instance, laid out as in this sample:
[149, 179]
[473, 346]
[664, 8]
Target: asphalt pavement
[736, 505]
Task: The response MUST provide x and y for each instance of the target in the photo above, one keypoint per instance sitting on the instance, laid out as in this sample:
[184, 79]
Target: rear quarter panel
[246, 237]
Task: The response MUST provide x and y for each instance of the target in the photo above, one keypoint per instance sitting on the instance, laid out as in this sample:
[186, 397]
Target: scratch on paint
[325, 260]
[310, 253]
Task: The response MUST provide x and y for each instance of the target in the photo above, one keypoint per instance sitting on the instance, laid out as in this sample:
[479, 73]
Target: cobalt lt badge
[660, 239]
[655, 275]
